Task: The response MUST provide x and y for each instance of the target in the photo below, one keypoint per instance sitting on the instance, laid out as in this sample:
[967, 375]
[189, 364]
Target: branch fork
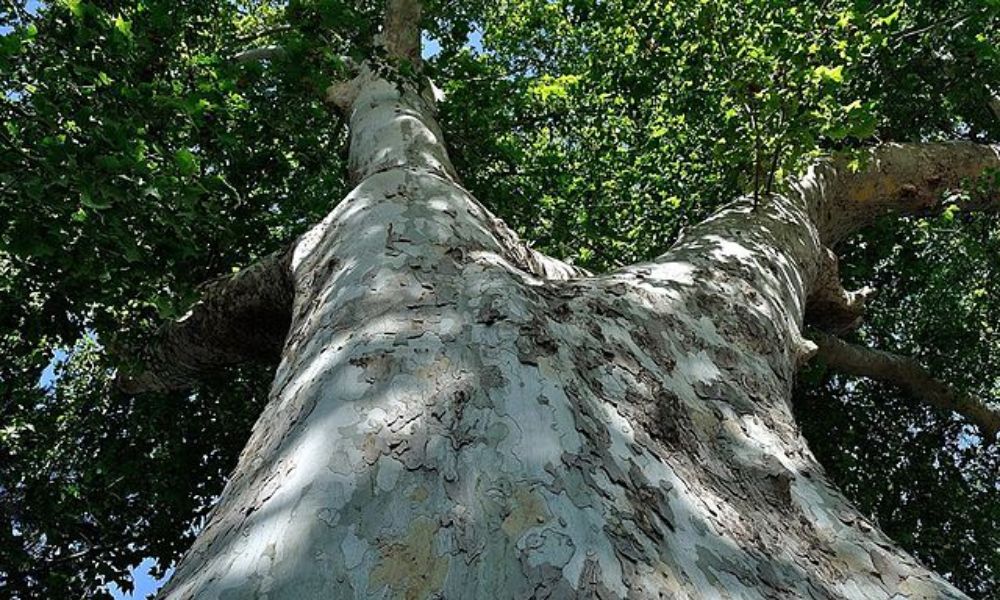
[905, 179]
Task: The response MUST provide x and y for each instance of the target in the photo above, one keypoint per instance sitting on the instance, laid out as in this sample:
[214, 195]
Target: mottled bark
[908, 374]
[455, 416]
[458, 416]
[240, 318]
[901, 179]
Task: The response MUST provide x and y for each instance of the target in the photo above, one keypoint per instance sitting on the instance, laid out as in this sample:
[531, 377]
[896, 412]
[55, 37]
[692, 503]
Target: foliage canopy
[139, 157]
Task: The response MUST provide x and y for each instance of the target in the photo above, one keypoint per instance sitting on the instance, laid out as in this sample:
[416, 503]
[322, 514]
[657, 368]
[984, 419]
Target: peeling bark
[458, 416]
[908, 374]
[451, 421]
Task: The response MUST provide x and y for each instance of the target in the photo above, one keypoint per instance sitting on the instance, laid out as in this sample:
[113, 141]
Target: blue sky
[31, 5]
[144, 584]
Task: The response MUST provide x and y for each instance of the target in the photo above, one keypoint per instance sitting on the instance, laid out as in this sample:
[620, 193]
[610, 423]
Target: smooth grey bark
[457, 416]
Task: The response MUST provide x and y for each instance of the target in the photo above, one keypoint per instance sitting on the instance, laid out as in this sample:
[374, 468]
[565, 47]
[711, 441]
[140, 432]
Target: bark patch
[410, 567]
[528, 510]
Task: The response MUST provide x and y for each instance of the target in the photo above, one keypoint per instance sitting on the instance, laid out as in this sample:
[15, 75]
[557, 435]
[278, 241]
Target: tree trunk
[456, 416]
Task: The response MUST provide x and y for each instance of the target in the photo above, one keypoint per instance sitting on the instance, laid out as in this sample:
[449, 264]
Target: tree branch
[259, 54]
[240, 318]
[896, 178]
[907, 374]
[955, 20]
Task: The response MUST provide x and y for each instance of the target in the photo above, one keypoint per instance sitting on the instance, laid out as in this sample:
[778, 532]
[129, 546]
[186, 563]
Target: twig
[243, 39]
[956, 20]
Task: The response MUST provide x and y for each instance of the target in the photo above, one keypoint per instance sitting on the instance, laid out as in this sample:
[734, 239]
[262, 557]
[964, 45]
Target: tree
[456, 413]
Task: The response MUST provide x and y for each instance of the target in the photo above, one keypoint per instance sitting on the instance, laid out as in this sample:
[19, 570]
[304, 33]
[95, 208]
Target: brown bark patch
[527, 510]
[410, 567]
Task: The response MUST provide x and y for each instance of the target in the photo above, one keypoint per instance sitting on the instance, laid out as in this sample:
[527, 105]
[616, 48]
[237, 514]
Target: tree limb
[259, 54]
[908, 374]
[955, 21]
[896, 178]
[240, 318]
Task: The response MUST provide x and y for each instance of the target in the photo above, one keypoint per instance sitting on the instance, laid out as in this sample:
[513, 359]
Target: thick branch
[896, 178]
[401, 30]
[907, 374]
[259, 54]
[241, 318]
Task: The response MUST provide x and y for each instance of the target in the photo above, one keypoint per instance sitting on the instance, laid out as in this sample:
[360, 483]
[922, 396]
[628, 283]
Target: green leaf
[948, 214]
[825, 73]
[186, 161]
[76, 7]
[88, 200]
[123, 27]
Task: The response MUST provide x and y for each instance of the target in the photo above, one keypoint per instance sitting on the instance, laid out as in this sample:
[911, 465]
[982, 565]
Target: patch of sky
[31, 6]
[145, 584]
[432, 47]
[49, 374]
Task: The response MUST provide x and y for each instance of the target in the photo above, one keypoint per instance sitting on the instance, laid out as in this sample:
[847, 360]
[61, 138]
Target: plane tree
[220, 214]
